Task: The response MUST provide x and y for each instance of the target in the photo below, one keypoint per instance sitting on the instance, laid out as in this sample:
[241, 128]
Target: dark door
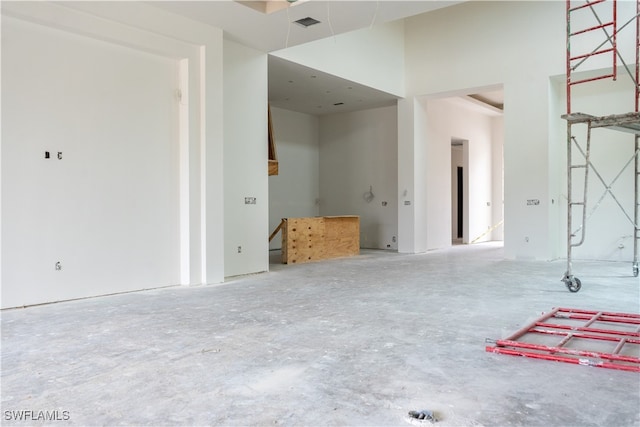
[460, 201]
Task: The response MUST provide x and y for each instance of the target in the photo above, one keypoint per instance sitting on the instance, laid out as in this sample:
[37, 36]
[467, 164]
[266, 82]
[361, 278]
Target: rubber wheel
[574, 284]
[635, 271]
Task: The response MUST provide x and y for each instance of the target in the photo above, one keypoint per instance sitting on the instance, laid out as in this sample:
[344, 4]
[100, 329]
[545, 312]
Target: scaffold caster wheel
[573, 283]
[635, 270]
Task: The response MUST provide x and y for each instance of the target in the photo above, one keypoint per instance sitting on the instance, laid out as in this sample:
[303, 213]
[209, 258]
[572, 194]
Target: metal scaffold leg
[609, 28]
[636, 231]
[572, 282]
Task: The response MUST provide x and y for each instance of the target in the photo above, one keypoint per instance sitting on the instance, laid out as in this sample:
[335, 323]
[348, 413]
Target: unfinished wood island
[316, 238]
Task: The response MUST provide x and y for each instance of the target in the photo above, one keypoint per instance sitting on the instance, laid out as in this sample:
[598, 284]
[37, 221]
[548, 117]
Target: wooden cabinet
[316, 238]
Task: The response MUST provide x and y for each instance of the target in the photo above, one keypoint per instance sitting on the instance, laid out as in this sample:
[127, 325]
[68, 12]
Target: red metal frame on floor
[624, 340]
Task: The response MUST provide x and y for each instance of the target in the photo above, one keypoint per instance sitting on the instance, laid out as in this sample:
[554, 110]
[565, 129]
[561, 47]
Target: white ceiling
[268, 32]
[298, 88]
[292, 86]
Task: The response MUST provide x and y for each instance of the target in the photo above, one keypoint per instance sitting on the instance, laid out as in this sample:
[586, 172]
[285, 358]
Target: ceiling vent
[307, 22]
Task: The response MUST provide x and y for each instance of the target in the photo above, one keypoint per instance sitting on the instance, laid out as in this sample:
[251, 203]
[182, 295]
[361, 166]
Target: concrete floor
[358, 341]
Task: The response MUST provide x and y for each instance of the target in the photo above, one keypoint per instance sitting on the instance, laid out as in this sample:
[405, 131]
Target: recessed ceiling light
[307, 22]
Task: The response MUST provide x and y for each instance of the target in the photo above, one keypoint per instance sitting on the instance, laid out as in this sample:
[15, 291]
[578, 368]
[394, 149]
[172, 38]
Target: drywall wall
[449, 119]
[523, 62]
[557, 164]
[373, 56]
[126, 205]
[107, 210]
[358, 154]
[497, 178]
[608, 233]
[295, 191]
[245, 154]
[412, 176]
[198, 47]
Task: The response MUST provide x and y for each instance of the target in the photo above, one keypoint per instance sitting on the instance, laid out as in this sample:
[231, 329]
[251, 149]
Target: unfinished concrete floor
[358, 341]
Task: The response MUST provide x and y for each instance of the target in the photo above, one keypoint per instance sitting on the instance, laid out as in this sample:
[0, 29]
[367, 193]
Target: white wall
[485, 58]
[411, 177]
[558, 168]
[373, 56]
[447, 119]
[358, 151]
[127, 207]
[295, 191]
[608, 232]
[245, 155]
[523, 62]
[108, 210]
[497, 178]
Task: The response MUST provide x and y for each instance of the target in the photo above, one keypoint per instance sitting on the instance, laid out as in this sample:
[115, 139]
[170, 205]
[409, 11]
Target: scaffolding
[608, 30]
[583, 337]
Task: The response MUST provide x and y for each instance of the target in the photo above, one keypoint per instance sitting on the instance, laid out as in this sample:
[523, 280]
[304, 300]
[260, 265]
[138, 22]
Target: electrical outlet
[249, 200]
[58, 266]
[239, 249]
[407, 202]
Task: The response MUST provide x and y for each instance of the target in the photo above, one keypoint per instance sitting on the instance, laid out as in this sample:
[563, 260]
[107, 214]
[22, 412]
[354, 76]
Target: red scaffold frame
[603, 24]
[626, 336]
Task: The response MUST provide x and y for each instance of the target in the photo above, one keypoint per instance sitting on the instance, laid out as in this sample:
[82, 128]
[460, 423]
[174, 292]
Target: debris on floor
[424, 414]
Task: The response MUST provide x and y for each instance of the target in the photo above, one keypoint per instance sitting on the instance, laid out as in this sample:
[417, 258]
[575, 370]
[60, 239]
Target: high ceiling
[269, 32]
[270, 26]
